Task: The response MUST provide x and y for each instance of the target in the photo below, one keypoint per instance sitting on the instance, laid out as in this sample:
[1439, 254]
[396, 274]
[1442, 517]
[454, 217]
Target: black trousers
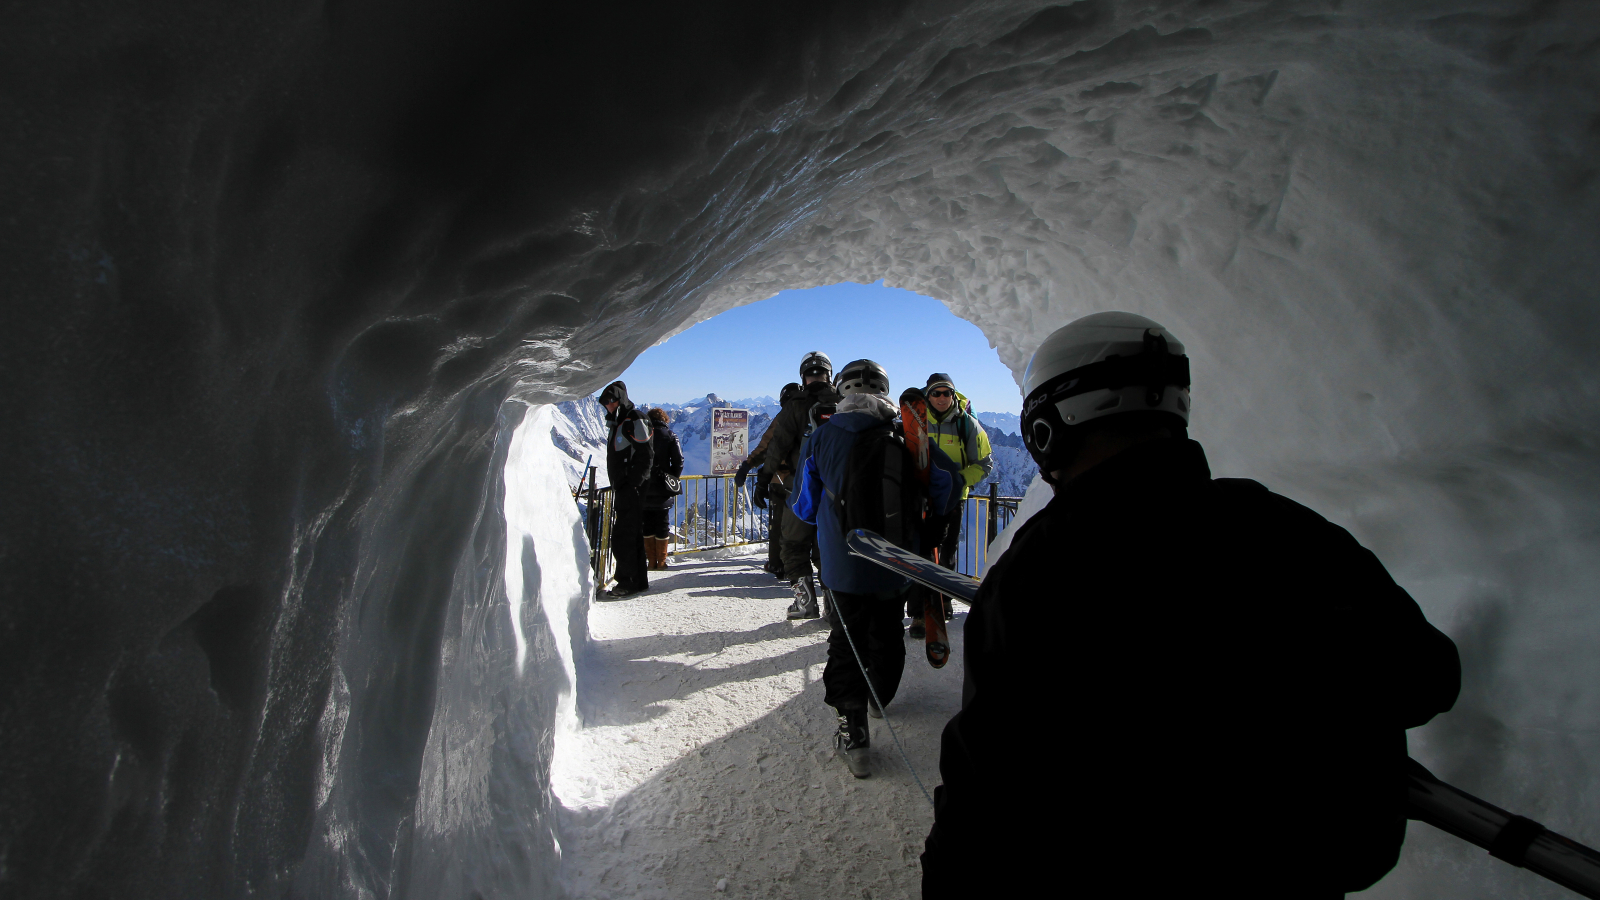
[655, 522]
[777, 509]
[943, 532]
[627, 539]
[799, 547]
[874, 623]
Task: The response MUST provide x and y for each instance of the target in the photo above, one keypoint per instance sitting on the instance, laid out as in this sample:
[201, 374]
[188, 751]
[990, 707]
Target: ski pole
[585, 475]
[839, 617]
[1519, 841]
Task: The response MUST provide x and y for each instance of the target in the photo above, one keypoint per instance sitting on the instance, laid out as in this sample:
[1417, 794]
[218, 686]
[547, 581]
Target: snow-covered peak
[1008, 422]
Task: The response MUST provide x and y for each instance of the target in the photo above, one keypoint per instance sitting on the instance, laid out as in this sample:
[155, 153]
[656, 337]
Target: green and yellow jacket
[961, 436]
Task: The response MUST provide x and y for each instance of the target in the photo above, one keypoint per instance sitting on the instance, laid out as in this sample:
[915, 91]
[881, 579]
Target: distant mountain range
[1010, 423]
[747, 403]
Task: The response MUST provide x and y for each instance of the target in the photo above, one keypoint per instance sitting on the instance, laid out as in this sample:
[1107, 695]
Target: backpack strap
[965, 436]
[895, 528]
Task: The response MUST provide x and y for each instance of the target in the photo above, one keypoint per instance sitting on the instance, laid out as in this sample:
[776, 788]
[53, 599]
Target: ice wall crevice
[274, 280]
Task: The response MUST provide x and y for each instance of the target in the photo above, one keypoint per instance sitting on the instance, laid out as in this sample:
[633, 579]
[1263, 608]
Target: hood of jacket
[619, 391]
[858, 412]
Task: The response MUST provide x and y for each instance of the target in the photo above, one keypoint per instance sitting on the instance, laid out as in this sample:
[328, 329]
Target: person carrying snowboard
[817, 399]
[1194, 684]
[857, 473]
[628, 459]
[957, 432]
[763, 489]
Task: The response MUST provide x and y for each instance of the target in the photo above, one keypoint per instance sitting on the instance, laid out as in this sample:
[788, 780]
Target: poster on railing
[730, 434]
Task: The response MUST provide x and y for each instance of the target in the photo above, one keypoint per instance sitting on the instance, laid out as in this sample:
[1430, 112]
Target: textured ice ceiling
[271, 272]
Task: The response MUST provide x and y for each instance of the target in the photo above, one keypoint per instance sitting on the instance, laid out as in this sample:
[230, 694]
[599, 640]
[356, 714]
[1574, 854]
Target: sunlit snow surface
[705, 751]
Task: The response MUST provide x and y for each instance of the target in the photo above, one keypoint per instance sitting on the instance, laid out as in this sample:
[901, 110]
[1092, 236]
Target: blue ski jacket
[823, 458]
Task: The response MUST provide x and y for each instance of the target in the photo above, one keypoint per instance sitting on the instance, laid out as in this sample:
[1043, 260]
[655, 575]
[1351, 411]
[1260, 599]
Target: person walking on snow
[763, 488]
[628, 459]
[799, 416]
[956, 431]
[1226, 678]
[666, 467]
[866, 598]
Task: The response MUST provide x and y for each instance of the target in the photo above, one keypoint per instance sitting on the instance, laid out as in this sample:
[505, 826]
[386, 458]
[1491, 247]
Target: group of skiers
[811, 402]
[1190, 683]
[644, 462]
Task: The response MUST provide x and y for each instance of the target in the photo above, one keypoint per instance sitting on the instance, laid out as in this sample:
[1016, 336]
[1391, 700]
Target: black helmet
[816, 364]
[791, 389]
[863, 376]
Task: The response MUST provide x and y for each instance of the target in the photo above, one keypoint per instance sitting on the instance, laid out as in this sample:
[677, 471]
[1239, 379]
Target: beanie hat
[937, 380]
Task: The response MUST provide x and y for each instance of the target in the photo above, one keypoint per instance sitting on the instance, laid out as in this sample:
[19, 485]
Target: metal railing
[710, 514]
[982, 517]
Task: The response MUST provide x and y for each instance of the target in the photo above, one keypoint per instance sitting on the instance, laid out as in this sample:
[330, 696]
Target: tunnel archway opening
[698, 703]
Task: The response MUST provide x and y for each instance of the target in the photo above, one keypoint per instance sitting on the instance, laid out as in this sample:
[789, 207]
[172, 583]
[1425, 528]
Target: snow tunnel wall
[274, 622]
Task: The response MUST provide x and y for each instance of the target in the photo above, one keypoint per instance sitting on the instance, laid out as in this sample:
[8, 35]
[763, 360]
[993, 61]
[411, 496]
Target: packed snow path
[705, 755]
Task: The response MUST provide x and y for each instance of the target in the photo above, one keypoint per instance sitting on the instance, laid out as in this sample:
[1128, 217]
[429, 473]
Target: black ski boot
[918, 631]
[805, 600]
[852, 741]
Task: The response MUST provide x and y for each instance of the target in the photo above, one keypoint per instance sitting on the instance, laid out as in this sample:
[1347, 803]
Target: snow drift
[284, 593]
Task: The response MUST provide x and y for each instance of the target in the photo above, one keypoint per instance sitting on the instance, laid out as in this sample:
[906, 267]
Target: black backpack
[819, 415]
[881, 492]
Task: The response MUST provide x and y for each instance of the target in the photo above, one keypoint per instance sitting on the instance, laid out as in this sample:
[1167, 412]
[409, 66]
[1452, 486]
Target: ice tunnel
[283, 280]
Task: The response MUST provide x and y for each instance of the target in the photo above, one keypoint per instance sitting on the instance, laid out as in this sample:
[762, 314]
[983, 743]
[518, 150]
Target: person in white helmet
[1194, 683]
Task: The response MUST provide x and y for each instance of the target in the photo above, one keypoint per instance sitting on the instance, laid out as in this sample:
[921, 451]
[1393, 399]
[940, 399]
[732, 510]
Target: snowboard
[914, 423]
[875, 549]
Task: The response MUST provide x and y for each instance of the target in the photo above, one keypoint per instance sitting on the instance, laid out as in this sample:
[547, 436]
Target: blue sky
[755, 349]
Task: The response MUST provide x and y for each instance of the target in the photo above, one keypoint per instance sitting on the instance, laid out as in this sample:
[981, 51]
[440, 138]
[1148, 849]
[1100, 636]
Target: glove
[758, 497]
[742, 474]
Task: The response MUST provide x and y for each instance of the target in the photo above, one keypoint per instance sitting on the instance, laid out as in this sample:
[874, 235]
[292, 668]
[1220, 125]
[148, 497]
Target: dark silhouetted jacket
[1186, 685]
[666, 456]
[788, 429]
[628, 450]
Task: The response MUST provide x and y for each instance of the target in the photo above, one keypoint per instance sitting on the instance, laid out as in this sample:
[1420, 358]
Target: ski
[875, 549]
[914, 424]
[1512, 838]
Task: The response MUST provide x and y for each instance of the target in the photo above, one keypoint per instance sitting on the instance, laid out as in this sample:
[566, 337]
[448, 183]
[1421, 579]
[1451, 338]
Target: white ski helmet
[862, 376]
[1101, 365]
[816, 364]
